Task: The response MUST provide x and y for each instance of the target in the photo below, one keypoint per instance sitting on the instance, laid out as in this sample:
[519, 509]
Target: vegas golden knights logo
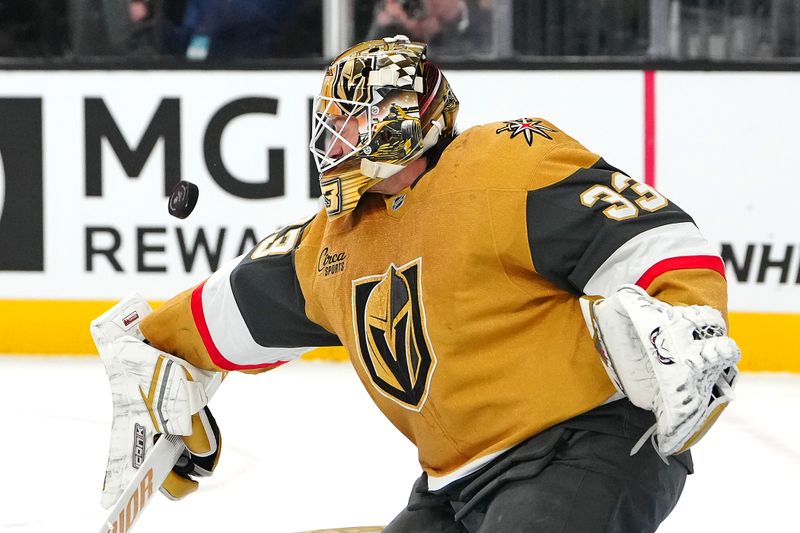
[350, 82]
[392, 335]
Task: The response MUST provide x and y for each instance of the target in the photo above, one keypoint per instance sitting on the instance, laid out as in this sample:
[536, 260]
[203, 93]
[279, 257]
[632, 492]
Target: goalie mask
[382, 105]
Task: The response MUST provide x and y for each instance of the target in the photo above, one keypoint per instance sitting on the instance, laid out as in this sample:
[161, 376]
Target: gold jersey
[457, 299]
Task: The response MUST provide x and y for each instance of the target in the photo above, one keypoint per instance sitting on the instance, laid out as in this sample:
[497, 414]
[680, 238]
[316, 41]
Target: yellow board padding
[61, 327]
[333, 353]
[49, 327]
[768, 341]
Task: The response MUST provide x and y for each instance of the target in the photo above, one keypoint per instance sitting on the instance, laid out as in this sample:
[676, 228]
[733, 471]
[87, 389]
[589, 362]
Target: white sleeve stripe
[634, 258]
[228, 331]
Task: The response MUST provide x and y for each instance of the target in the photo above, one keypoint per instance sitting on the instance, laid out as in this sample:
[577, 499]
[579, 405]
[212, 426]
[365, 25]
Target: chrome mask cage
[332, 117]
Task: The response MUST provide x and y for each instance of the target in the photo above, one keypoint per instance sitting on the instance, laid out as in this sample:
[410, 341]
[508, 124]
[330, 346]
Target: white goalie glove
[152, 393]
[676, 361]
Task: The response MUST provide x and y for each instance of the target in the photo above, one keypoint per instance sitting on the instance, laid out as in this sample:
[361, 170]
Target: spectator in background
[218, 29]
[33, 28]
[158, 26]
[144, 33]
[139, 10]
[235, 28]
[451, 27]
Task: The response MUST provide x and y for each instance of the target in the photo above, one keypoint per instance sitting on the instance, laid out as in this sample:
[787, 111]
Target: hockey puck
[183, 199]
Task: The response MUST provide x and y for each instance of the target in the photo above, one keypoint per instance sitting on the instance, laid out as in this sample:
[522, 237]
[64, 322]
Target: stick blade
[140, 490]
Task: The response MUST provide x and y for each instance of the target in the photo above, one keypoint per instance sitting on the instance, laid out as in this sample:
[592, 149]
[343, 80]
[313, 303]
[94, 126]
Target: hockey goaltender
[550, 333]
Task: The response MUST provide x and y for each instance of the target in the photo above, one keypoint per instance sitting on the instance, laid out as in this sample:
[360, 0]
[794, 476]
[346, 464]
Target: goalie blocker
[676, 361]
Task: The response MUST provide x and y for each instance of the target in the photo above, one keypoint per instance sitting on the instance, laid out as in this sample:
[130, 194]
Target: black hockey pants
[576, 477]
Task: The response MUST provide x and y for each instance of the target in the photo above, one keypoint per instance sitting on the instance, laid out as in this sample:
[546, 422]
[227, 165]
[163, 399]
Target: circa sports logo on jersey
[528, 127]
[391, 334]
[330, 263]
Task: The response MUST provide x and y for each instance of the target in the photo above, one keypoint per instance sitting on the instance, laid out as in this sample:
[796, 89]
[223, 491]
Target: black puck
[183, 199]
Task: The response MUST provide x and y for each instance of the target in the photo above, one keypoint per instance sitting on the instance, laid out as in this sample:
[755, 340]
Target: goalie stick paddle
[151, 474]
[148, 479]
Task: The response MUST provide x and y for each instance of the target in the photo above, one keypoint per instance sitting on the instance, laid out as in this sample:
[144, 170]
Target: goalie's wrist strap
[650, 435]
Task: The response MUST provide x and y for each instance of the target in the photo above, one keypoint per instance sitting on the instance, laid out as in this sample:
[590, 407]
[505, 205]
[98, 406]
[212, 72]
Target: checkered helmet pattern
[378, 104]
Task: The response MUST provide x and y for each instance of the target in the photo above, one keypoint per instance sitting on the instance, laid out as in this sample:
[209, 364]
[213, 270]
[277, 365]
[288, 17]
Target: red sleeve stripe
[202, 327]
[710, 262]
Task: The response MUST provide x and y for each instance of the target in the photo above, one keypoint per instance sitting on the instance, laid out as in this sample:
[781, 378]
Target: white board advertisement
[112, 143]
[105, 146]
[727, 149]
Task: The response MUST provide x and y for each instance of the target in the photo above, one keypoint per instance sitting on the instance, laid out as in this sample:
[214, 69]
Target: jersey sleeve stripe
[223, 330]
[202, 327]
[632, 261]
[710, 262]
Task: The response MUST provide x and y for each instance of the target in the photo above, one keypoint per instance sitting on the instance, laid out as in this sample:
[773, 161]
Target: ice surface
[304, 447]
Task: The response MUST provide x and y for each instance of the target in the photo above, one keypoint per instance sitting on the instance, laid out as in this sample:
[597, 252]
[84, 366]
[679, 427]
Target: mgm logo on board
[21, 189]
[392, 336]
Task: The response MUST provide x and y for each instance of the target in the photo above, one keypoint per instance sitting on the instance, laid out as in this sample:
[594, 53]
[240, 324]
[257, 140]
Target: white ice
[305, 448]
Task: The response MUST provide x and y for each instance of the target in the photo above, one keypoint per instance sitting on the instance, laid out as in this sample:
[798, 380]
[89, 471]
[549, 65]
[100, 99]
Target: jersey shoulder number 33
[619, 207]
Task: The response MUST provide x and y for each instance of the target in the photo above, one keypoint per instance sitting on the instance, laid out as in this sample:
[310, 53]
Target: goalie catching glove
[153, 393]
[676, 361]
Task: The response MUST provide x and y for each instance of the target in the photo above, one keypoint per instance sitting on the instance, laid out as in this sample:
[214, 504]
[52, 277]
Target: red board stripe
[650, 127]
[710, 262]
[202, 327]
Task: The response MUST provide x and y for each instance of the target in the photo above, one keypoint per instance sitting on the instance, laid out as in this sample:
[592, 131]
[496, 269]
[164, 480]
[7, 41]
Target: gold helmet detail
[382, 105]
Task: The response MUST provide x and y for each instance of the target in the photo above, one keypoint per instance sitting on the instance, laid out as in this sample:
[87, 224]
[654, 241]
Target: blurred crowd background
[229, 30]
